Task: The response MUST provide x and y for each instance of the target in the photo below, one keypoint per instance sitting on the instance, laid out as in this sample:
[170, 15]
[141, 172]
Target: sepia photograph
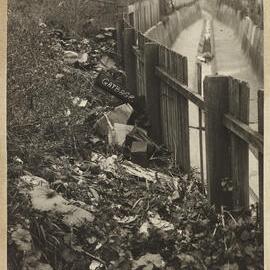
[134, 135]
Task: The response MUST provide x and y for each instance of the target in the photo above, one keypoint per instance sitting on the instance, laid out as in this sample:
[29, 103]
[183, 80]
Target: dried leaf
[148, 260]
[229, 266]
[95, 265]
[125, 220]
[245, 235]
[158, 223]
[22, 239]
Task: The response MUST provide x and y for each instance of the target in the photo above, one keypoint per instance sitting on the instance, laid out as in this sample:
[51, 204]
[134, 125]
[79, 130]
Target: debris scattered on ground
[139, 153]
[71, 57]
[109, 84]
[119, 133]
[139, 219]
[149, 262]
[47, 200]
[119, 114]
[81, 102]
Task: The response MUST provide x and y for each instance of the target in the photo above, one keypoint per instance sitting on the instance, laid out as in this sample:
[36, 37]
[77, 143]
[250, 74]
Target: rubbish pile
[106, 109]
[96, 53]
[109, 213]
[137, 146]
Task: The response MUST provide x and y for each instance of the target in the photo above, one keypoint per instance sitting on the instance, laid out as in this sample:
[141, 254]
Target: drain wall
[251, 35]
[167, 30]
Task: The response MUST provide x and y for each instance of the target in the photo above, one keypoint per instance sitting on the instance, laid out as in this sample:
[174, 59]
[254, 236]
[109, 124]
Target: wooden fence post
[217, 137]
[119, 33]
[239, 108]
[260, 160]
[130, 60]
[152, 87]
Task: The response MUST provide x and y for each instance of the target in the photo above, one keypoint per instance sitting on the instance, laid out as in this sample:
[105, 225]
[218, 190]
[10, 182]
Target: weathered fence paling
[217, 137]
[260, 159]
[199, 86]
[228, 137]
[130, 59]
[239, 108]
[152, 84]
[120, 45]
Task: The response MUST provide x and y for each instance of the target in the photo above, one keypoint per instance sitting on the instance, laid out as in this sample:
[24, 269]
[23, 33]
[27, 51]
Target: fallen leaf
[148, 259]
[22, 239]
[94, 193]
[95, 265]
[144, 229]
[125, 220]
[249, 250]
[159, 223]
[229, 266]
[186, 259]
[244, 235]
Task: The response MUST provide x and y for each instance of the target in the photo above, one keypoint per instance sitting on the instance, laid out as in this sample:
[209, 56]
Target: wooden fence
[144, 14]
[160, 76]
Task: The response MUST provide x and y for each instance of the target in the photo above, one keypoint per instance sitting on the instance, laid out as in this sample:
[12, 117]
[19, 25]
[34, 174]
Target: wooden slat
[185, 69]
[120, 45]
[244, 132]
[130, 60]
[260, 160]
[136, 51]
[185, 143]
[181, 88]
[179, 76]
[185, 148]
[199, 86]
[140, 41]
[164, 120]
[152, 86]
[140, 67]
[239, 108]
[217, 137]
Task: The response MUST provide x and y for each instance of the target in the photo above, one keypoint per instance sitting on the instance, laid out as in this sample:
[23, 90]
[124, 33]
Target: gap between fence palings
[199, 86]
